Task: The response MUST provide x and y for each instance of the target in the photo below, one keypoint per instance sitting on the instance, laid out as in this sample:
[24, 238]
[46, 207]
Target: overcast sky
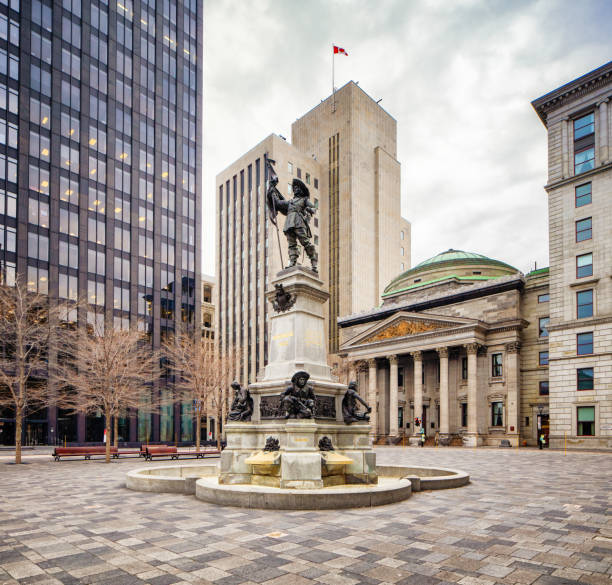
[458, 76]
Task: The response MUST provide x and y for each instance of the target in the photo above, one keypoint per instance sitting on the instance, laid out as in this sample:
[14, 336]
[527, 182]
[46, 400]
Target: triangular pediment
[406, 324]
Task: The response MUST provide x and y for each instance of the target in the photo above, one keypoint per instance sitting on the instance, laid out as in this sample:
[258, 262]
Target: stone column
[393, 422]
[604, 139]
[444, 414]
[513, 373]
[372, 372]
[472, 439]
[417, 357]
[565, 154]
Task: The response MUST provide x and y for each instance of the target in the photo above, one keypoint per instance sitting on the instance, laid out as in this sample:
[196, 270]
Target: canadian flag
[339, 50]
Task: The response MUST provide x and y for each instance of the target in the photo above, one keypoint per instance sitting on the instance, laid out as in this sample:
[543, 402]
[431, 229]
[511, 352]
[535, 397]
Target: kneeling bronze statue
[242, 405]
[349, 406]
[298, 399]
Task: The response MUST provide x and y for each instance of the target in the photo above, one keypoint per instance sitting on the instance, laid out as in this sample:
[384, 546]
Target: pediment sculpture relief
[404, 328]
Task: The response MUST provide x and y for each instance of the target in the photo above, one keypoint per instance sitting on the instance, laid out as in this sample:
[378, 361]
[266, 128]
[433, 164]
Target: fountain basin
[396, 483]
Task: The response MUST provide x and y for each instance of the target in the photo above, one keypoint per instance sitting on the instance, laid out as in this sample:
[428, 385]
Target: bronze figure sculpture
[242, 405]
[298, 399]
[349, 406]
[299, 211]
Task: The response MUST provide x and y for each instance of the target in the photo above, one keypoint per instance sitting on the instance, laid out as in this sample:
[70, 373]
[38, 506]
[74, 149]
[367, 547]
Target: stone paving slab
[529, 517]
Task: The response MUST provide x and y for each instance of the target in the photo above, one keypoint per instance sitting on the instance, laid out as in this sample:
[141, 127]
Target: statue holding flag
[299, 211]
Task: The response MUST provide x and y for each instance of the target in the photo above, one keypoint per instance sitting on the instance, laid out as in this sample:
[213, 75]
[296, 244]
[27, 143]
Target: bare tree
[193, 361]
[110, 369]
[200, 375]
[28, 324]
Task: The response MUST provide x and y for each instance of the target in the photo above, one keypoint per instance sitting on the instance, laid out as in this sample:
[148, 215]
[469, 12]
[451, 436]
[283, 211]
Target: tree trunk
[18, 427]
[219, 427]
[108, 436]
[115, 431]
[198, 429]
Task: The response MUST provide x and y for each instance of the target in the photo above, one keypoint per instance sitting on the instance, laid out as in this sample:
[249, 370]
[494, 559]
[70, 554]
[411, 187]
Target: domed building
[458, 348]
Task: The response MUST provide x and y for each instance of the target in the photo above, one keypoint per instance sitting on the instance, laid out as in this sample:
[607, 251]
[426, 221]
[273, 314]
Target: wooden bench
[174, 453]
[144, 447]
[87, 452]
[161, 451]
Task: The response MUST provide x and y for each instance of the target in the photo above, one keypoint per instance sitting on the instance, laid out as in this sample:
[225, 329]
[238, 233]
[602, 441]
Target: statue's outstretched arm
[361, 400]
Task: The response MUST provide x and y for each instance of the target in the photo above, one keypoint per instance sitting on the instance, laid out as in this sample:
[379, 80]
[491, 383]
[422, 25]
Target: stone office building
[453, 345]
[578, 119]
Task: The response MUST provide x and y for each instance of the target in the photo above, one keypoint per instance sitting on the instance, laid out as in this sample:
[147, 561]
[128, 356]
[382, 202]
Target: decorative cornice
[572, 91]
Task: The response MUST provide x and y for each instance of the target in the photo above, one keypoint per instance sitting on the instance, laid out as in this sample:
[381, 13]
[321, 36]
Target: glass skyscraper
[100, 174]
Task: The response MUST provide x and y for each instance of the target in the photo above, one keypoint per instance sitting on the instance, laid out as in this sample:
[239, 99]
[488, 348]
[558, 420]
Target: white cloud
[457, 76]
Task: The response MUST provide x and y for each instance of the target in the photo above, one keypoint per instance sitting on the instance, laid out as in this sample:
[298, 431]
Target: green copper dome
[457, 264]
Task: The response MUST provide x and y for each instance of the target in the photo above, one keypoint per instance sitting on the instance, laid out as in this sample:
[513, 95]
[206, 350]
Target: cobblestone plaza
[528, 516]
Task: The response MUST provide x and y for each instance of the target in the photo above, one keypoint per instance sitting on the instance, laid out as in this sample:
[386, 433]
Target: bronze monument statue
[298, 399]
[299, 211]
[349, 406]
[242, 405]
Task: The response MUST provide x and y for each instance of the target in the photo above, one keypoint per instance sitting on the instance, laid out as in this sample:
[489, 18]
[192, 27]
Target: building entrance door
[424, 419]
[543, 427]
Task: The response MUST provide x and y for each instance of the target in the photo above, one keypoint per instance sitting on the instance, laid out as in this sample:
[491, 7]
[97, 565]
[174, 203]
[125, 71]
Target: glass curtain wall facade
[100, 174]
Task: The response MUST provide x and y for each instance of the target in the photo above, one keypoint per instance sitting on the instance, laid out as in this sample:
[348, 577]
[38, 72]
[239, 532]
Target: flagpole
[333, 84]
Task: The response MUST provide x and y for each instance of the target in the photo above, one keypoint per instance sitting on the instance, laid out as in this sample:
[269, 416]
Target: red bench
[87, 452]
[144, 447]
[167, 451]
[161, 451]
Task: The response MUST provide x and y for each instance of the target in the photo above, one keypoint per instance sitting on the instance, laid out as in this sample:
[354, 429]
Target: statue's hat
[302, 186]
[300, 374]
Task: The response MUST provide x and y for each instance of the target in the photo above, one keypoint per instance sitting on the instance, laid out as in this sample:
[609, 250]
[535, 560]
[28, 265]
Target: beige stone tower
[355, 142]
[578, 118]
[347, 159]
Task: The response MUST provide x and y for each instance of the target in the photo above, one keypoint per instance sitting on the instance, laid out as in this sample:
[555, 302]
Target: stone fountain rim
[195, 479]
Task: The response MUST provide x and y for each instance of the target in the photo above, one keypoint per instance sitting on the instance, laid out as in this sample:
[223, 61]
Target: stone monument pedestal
[297, 343]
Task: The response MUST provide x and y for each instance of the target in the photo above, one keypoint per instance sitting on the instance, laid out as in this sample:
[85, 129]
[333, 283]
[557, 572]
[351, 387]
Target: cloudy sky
[457, 75]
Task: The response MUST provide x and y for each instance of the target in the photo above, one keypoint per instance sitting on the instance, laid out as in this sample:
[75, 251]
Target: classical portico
[452, 370]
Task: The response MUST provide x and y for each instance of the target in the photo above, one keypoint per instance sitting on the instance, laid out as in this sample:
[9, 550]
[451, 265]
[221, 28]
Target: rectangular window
[543, 322]
[584, 265]
[583, 195]
[584, 229]
[584, 144]
[586, 421]
[585, 379]
[496, 365]
[584, 304]
[543, 361]
[584, 343]
[38, 213]
[464, 414]
[584, 126]
[497, 414]
[543, 298]
[543, 388]
[464, 368]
